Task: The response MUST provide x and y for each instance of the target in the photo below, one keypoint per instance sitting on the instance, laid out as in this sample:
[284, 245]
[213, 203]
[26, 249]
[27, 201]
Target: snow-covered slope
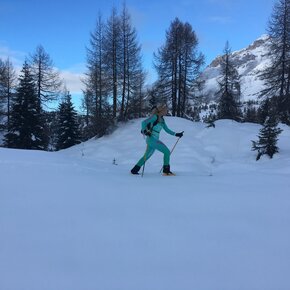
[73, 220]
[249, 62]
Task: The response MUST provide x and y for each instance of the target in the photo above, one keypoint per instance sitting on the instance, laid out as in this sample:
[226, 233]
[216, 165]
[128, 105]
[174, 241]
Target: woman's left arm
[167, 130]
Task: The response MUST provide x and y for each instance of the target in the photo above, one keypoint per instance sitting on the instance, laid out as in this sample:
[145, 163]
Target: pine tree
[229, 91]
[26, 126]
[68, 133]
[276, 76]
[265, 110]
[250, 115]
[268, 138]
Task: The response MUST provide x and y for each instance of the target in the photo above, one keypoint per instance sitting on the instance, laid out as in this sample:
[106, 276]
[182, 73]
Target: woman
[151, 127]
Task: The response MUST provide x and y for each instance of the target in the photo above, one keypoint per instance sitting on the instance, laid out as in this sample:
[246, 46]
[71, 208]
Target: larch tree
[45, 76]
[178, 63]
[276, 76]
[7, 90]
[96, 93]
[113, 57]
[132, 75]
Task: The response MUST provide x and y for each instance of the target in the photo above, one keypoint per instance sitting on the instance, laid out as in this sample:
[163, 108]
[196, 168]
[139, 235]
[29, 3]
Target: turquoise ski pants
[152, 145]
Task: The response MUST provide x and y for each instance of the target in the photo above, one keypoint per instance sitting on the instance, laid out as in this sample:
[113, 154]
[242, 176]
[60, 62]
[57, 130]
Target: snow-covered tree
[68, 133]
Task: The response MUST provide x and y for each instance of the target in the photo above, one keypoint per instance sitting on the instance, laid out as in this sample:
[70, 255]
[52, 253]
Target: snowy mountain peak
[249, 62]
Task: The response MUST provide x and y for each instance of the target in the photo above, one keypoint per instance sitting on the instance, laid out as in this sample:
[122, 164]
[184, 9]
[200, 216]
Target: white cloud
[72, 81]
[71, 76]
[16, 57]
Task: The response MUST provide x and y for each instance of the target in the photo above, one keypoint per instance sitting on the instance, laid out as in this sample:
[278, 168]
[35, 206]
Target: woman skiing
[151, 127]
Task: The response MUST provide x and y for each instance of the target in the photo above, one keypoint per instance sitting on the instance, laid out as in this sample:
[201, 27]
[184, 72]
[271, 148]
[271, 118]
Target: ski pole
[171, 151]
[145, 157]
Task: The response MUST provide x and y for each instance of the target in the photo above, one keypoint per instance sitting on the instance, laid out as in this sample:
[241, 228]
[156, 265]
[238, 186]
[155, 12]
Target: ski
[169, 174]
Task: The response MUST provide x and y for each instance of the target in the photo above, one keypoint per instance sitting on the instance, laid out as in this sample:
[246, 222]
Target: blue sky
[63, 27]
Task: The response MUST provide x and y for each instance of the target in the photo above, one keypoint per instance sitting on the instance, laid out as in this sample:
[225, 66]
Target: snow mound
[200, 149]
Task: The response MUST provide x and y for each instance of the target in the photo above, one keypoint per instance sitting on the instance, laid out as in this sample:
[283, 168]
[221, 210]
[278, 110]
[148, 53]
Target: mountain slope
[73, 220]
[249, 62]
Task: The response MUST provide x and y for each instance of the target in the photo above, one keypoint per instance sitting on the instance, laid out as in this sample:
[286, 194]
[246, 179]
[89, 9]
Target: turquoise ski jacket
[154, 126]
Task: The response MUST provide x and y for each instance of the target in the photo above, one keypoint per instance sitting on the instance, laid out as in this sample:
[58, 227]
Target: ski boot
[166, 171]
[135, 170]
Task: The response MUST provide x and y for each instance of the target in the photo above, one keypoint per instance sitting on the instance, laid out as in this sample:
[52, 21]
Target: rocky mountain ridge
[249, 62]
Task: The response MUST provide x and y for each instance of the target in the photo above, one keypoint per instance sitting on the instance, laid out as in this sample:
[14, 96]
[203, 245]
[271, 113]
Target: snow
[73, 220]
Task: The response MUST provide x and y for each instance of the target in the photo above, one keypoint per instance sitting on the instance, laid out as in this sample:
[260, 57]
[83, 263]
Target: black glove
[179, 134]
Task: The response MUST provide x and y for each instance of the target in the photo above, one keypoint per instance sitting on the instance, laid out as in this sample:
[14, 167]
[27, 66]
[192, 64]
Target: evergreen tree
[26, 129]
[266, 108]
[229, 89]
[268, 138]
[250, 115]
[276, 76]
[68, 133]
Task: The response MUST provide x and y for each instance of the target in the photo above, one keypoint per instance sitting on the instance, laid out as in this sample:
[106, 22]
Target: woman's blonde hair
[158, 108]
